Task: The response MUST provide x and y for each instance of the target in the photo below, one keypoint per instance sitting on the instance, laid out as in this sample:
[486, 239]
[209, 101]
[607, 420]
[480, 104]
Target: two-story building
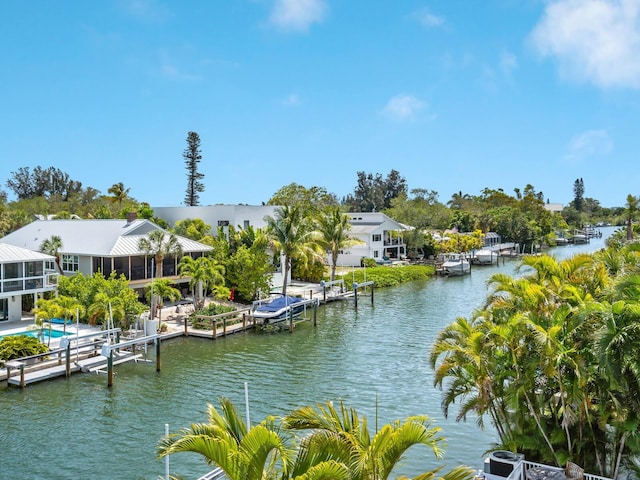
[105, 246]
[381, 237]
[23, 273]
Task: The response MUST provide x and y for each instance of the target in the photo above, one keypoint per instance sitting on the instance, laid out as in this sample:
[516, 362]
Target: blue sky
[455, 95]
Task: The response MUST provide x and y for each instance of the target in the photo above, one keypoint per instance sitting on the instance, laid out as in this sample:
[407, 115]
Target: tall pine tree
[192, 156]
[578, 194]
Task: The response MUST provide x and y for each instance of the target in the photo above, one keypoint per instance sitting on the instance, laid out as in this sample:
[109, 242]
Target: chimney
[131, 216]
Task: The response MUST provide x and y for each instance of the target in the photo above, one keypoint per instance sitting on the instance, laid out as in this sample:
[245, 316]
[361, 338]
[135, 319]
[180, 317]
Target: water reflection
[376, 359]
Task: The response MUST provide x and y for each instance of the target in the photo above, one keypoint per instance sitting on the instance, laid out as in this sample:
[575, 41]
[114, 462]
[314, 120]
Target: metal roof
[98, 238]
[12, 254]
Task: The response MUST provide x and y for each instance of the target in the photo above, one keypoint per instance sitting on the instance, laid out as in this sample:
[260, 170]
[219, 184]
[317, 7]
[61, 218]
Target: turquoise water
[375, 358]
[39, 333]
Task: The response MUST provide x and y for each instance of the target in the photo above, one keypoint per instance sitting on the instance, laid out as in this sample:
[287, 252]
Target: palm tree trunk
[285, 273]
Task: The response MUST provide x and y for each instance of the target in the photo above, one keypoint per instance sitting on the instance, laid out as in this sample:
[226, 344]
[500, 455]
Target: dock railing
[520, 472]
[230, 322]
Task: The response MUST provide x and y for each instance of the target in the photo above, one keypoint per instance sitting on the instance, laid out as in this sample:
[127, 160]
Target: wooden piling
[315, 314]
[68, 360]
[110, 369]
[158, 363]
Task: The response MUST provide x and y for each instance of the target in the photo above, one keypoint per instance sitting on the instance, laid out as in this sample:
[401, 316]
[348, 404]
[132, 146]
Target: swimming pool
[38, 333]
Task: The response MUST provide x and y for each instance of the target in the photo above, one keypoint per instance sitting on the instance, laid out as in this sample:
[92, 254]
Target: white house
[23, 272]
[238, 216]
[381, 237]
[104, 246]
[554, 207]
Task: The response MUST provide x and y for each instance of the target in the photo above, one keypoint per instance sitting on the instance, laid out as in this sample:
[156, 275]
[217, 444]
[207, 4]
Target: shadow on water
[375, 358]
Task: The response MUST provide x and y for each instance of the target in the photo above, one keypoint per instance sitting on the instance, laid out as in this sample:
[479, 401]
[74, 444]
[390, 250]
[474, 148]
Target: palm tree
[119, 193]
[203, 273]
[104, 308]
[338, 447]
[161, 288]
[290, 235]
[631, 211]
[225, 440]
[68, 308]
[159, 244]
[343, 437]
[51, 246]
[332, 234]
[45, 310]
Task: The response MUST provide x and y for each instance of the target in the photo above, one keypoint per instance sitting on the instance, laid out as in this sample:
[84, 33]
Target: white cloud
[596, 41]
[403, 107]
[428, 19]
[297, 15]
[589, 144]
[291, 100]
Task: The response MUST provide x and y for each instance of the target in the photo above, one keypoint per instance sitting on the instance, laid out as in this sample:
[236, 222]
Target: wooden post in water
[372, 294]
[186, 332]
[22, 382]
[110, 369]
[244, 321]
[355, 294]
[291, 320]
[215, 328]
[224, 327]
[158, 363]
[68, 359]
[315, 314]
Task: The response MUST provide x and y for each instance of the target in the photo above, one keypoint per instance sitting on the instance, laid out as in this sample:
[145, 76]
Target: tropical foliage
[18, 346]
[332, 235]
[551, 360]
[334, 444]
[95, 289]
[291, 235]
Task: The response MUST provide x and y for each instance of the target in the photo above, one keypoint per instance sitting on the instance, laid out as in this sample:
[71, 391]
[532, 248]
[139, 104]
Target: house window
[377, 237]
[34, 269]
[246, 224]
[70, 263]
[12, 270]
[375, 254]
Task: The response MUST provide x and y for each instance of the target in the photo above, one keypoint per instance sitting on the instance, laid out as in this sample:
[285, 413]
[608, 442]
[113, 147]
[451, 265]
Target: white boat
[455, 264]
[561, 241]
[484, 256]
[279, 309]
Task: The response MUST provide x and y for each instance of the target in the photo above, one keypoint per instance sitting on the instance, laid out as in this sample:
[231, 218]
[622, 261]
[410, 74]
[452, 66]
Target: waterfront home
[381, 237]
[23, 273]
[223, 216]
[240, 217]
[105, 246]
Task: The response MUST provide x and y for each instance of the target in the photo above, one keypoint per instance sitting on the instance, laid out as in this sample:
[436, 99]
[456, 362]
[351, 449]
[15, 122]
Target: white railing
[520, 470]
[215, 474]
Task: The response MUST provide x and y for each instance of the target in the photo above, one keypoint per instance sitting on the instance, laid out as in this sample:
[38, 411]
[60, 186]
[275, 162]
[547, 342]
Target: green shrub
[18, 346]
[389, 276]
[368, 262]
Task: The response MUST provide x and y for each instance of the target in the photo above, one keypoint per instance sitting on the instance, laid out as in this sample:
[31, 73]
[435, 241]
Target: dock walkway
[97, 350]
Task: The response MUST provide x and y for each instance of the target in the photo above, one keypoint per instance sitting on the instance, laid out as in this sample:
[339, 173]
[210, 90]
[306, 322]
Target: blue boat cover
[278, 303]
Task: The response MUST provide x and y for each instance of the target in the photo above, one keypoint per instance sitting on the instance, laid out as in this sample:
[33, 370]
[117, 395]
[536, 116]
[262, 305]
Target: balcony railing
[520, 472]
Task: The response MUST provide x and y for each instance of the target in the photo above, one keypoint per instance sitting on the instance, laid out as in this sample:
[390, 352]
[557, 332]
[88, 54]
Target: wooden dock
[99, 352]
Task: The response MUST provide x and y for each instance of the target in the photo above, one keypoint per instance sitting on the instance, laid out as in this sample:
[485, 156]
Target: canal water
[375, 359]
